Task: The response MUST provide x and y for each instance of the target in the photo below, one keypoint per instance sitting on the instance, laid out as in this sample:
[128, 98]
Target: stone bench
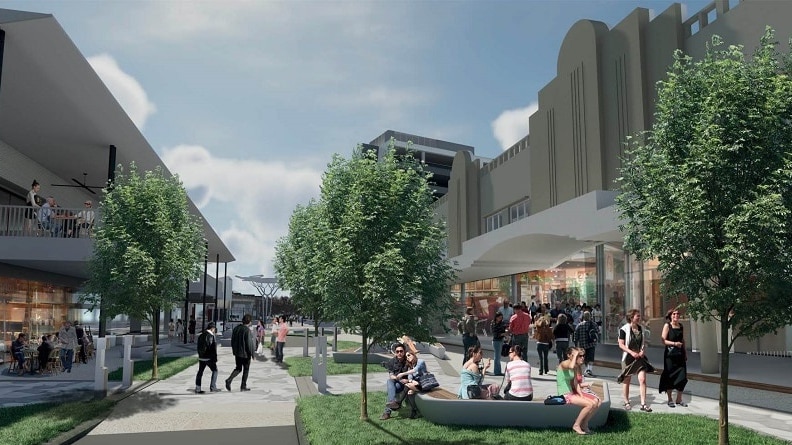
[443, 407]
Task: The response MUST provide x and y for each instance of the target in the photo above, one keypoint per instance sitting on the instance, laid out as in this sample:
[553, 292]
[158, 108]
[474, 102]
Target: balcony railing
[62, 222]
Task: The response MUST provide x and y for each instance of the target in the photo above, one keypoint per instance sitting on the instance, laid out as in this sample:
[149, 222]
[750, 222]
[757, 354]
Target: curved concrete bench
[443, 407]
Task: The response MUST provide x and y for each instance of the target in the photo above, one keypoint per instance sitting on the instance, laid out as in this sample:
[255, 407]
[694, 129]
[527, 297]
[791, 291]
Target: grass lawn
[302, 366]
[168, 367]
[336, 420]
[35, 424]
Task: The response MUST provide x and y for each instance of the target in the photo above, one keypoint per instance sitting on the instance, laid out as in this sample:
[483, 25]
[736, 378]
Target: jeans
[67, 358]
[20, 358]
[543, 349]
[522, 340]
[279, 351]
[242, 364]
[393, 387]
[496, 346]
[561, 350]
[201, 366]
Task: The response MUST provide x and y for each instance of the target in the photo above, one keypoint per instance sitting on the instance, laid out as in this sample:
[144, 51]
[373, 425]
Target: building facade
[436, 155]
[61, 126]
[539, 221]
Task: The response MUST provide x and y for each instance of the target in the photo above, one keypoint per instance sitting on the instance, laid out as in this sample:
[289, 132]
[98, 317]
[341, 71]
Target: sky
[247, 101]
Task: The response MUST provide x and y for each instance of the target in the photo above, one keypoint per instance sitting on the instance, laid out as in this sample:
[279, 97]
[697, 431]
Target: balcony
[62, 247]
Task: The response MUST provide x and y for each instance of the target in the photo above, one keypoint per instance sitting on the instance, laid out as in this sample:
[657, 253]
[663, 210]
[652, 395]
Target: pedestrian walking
[207, 357]
[243, 346]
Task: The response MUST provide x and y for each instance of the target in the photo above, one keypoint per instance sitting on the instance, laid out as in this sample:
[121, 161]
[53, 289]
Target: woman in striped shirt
[518, 377]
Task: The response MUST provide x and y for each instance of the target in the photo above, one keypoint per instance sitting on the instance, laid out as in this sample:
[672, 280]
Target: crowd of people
[45, 217]
[34, 356]
[573, 333]
[247, 342]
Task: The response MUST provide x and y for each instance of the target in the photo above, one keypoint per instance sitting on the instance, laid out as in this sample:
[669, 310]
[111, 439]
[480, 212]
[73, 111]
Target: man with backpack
[207, 356]
[586, 336]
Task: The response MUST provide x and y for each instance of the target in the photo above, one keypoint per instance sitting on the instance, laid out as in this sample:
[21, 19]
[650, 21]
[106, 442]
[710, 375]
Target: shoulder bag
[428, 381]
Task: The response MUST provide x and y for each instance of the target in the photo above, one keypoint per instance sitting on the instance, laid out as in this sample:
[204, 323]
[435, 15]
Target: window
[519, 211]
[493, 222]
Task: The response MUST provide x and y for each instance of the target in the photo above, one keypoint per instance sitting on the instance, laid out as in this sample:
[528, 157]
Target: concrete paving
[169, 412]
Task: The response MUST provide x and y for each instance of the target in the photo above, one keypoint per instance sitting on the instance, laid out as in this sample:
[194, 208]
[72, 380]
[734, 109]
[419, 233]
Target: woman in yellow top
[571, 388]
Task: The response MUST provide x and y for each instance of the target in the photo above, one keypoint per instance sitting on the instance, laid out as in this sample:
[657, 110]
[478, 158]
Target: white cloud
[126, 89]
[512, 125]
[256, 197]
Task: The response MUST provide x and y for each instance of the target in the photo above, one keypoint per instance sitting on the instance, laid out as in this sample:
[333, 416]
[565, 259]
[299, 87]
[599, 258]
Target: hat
[210, 325]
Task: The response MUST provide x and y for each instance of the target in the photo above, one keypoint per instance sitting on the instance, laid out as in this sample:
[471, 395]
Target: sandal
[627, 406]
[671, 404]
[682, 404]
[646, 409]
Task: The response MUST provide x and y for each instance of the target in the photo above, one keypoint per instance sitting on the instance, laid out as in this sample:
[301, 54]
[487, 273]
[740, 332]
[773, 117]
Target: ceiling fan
[83, 184]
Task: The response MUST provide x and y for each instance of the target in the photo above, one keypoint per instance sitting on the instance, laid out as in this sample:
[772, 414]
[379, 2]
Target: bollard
[319, 374]
[305, 344]
[100, 374]
[128, 363]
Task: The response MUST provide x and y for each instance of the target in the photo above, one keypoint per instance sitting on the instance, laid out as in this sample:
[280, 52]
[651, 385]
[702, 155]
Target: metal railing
[25, 221]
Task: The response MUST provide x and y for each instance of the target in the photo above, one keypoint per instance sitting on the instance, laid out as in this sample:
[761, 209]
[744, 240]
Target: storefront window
[33, 307]
[616, 299]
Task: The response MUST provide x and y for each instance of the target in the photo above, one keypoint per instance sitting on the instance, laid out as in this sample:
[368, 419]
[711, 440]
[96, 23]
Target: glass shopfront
[35, 308]
[603, 275]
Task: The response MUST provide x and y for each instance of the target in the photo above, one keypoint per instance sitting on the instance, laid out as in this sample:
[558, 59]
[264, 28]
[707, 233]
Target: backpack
[203, 345]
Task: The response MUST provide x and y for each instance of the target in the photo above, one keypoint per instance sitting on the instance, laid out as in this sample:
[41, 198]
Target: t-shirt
[518, 372]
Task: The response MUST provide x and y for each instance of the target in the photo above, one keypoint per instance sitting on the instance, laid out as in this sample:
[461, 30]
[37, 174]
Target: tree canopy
[379, 262]
[147, 245]
[708, 191]
[297, 257]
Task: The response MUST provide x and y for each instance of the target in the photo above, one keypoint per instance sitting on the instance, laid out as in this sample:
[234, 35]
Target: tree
[708, 192]
[147, 245]
[379, 265]
[296, 257]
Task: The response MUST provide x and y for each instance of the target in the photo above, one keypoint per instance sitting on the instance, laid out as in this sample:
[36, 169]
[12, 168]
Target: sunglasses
[400, 351]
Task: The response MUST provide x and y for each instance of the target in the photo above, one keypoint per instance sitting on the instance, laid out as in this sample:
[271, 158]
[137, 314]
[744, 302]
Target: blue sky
[248, 100]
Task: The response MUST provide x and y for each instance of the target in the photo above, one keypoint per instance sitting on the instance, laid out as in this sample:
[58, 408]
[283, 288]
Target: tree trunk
[363, 386]
[723, 425]
[154, 341]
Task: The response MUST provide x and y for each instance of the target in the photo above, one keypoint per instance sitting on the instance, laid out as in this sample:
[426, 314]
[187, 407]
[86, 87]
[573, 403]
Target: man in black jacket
[243, 344]
[207, 356]
[394, 385]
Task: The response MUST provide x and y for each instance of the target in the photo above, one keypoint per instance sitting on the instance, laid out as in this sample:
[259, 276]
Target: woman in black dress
[674, 375]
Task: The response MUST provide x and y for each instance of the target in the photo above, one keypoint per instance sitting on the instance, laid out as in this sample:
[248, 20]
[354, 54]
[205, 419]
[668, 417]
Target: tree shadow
[142, 401]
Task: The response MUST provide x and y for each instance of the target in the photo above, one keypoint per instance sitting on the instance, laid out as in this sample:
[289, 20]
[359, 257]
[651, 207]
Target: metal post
[225, 286]
[203, 302]
[217, 283]
[186, 309]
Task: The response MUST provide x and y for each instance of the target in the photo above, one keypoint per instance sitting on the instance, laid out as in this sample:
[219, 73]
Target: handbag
[555, 400]
[428, 381]
[505, 349]
[673, 351]
[477, 392]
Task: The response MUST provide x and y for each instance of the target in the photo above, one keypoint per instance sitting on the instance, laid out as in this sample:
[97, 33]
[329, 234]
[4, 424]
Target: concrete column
[100, 374]
[128, 363]
[707, 342]
[515, 294]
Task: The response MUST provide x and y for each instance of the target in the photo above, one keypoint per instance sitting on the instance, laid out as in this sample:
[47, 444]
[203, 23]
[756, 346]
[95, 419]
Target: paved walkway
[168, 412]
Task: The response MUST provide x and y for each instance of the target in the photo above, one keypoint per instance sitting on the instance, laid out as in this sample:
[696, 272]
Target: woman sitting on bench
[570, 387]
[518, 377]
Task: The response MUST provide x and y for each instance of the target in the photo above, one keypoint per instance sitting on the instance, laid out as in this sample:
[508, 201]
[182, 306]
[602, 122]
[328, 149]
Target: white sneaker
[589, 373]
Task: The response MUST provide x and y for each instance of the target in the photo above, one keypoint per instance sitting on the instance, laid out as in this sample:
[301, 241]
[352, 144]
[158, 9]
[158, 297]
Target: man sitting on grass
[394, 384]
